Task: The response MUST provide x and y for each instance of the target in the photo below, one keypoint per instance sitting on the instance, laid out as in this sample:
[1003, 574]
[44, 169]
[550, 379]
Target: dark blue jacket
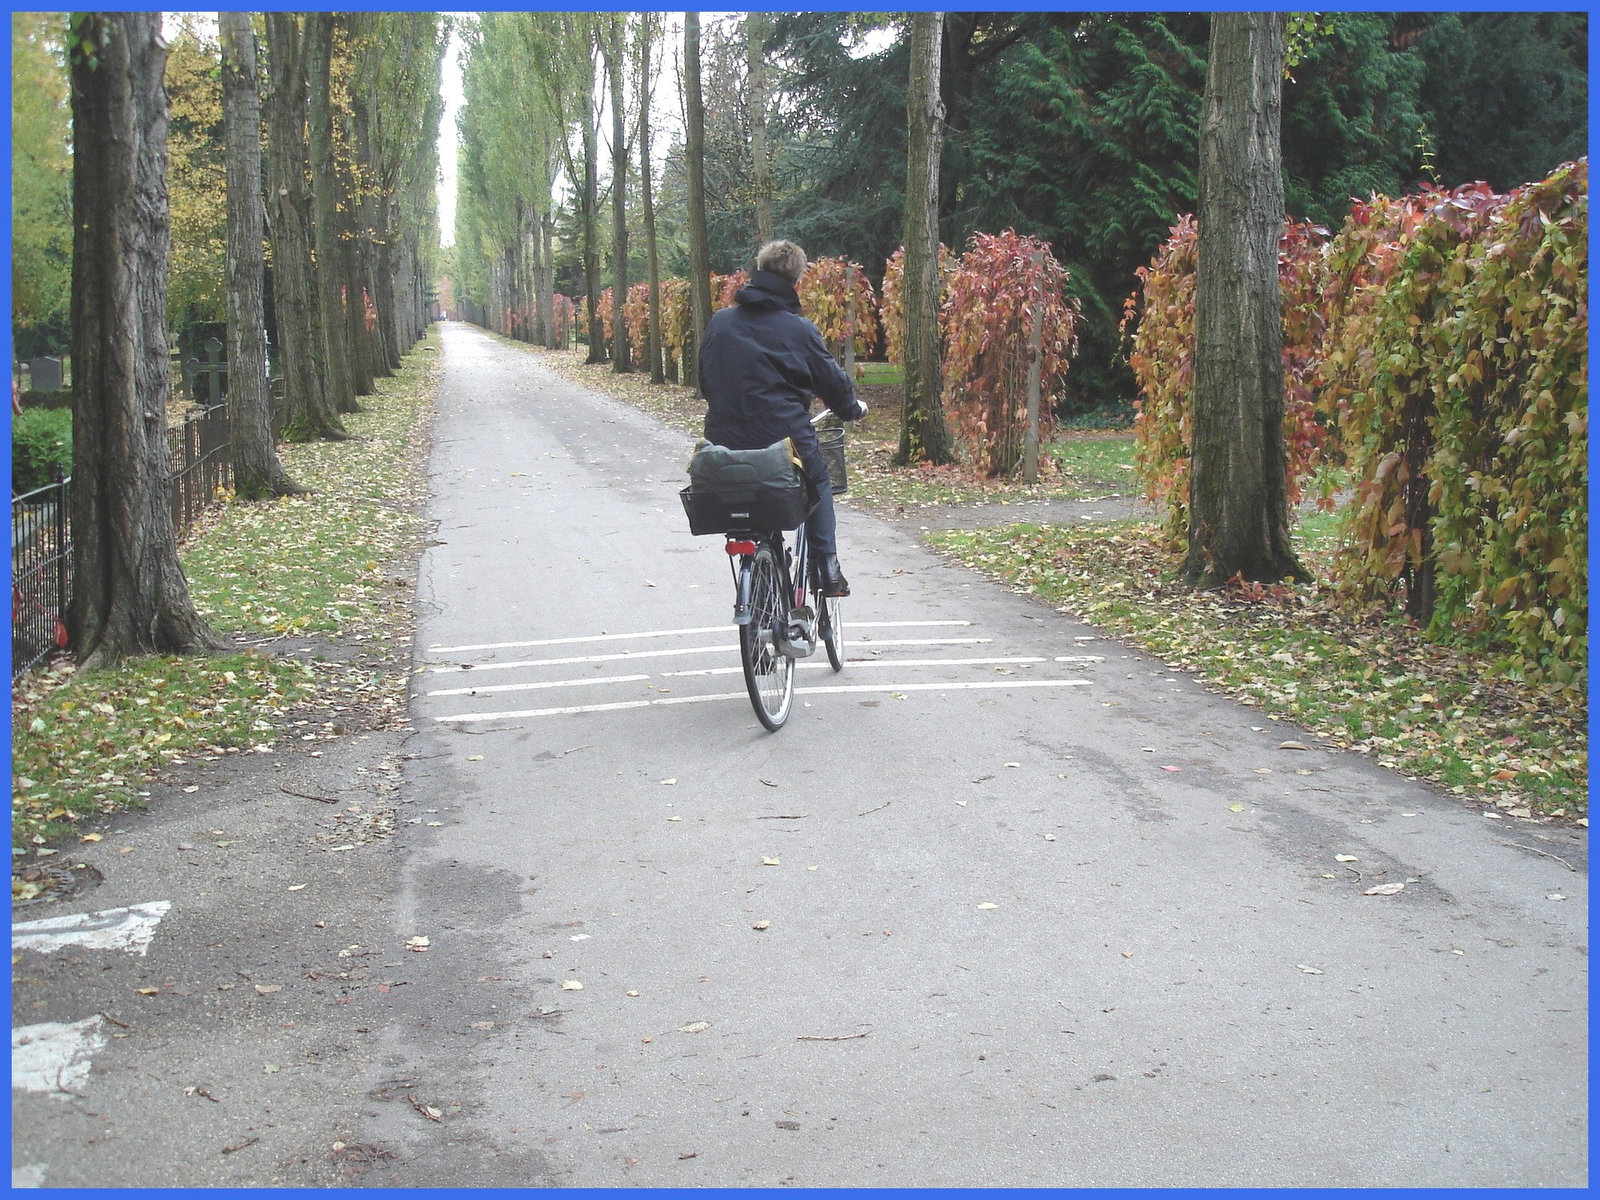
[760, 364]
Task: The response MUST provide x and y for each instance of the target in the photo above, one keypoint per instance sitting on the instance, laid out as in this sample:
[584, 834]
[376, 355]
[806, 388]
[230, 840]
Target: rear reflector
[736, 548]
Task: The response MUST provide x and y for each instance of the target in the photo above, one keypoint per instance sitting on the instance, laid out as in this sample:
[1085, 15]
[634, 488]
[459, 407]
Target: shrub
[41, 444]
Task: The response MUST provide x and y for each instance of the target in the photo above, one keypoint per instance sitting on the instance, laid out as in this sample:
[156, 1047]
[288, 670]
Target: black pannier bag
[738, 490]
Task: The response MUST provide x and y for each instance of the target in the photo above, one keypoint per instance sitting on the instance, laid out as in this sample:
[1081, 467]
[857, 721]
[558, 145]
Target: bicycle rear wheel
[768, 673]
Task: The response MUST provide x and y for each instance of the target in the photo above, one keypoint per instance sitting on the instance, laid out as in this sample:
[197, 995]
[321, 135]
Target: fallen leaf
[266, 989]
[1306, 969]
[633, 993]
[571, 985]
[418, 944]
[1293, 746]
[674, 818]
[271, 1068]
[695, 1027]
[474, 758]
[1172, 768]
[1013, 764]
[1236, 807]
[1127, 954]
[91, 837]
[987, 904]
[1555, 896]
[762, 924]
[295, 887]
[787, 1124]
[668, 782]
[1049, 837]
[483, 1024]
[1345, 858]
[1385, 889]
[149, 991]
[769, 862]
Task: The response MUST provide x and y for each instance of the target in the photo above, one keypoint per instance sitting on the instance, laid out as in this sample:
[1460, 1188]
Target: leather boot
[833, 580]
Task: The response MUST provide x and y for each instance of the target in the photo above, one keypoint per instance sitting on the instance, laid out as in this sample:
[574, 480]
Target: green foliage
[41, 445]
[41, 186]
[197, 192]
[1440, 345]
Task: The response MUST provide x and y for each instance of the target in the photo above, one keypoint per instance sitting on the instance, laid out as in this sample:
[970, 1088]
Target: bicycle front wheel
[768, 672]
[830, 625]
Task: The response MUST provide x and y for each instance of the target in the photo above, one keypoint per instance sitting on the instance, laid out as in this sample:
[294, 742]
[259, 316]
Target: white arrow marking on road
[527, 687]
[54, 1058]
[128, 929]
[620, 705]
[655, 633]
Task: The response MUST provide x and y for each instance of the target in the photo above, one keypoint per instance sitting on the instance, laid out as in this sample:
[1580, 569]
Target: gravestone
[207, 375]
[45, 374]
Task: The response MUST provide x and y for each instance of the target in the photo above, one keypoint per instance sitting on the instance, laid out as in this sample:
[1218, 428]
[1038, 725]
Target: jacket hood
[767, 290]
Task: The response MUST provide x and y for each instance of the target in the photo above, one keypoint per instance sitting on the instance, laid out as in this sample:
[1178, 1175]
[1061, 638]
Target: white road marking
[619, 705]
[129, 929]
[528, 687]
[653, 633]
[54, 1058]
[1080, 658]
[866, 662]
[872, 642]
[725, 648]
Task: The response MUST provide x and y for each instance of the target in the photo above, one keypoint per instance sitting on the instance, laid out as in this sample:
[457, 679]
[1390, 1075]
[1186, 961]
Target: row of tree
[338, 198]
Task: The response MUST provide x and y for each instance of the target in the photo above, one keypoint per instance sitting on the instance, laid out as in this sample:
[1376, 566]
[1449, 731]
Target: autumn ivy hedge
[1437, 346]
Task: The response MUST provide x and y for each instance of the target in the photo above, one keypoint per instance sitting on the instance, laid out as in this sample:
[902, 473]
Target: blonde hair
[782, 258]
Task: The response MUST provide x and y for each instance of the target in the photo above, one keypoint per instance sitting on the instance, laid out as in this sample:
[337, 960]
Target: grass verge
[1374, 686]
[315, 592]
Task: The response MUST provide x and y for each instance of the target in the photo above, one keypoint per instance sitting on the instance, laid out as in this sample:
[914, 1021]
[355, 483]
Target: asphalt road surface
[1004, 904]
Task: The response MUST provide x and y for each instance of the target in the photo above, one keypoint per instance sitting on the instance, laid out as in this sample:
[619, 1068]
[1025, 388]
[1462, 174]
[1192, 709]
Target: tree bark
[621, 352]
[652, 258]
[1239, 510]
[591, 205]
[923, 434]
[756, 25]
[324, 190]
[129, 592]
[311, 415]
[257, 471]
[695, 152]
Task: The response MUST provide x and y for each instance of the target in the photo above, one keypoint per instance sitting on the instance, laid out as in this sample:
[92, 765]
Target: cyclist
[760, 364]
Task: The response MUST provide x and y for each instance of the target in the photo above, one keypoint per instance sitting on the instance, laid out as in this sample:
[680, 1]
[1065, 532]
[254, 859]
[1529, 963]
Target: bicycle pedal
[798, 635]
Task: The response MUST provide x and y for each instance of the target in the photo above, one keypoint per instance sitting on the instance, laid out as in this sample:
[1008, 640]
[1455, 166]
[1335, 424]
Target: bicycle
[772, 574]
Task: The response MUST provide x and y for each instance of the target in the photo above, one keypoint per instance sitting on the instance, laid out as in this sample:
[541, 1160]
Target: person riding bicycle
[760, 364]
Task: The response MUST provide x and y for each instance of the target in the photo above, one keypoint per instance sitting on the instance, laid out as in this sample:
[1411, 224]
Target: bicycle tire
[768, 672]
[830, 627]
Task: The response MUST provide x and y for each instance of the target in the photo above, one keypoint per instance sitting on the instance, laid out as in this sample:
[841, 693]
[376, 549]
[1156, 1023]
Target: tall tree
[297, 301]
[257, 471]
[923, 436]
[695, 153]
[621, 358]
[757, 25]
[320, 146]
[196, 195]
[647, 37]
[129, 594]
[1239, 509]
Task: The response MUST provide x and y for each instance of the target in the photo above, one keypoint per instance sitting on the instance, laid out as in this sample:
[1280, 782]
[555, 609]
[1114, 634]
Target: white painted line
[572, 641]
[528, 687]
[654, 633]
[869, 643]
[618, 706]
[865, 662]
[129, 929]
[54, 1058]
[725, 648]
[1080, 658]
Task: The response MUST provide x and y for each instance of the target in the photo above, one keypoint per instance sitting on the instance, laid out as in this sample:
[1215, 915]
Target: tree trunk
[652, 259]
[756, 25]
[695, 152]
[319, 127]
[384, 255]
[352, 234]
[1239, 510]
[300, 344]
[368, 231]
[923, 435]
[257, 472]
[621, 352]
[129, 594]
[591, 205]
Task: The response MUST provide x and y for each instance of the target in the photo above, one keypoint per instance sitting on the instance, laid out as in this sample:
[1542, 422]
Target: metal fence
[41, 534]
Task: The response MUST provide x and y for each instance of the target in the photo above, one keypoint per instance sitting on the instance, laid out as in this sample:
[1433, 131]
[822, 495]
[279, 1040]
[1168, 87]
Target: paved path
[1032, 909]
